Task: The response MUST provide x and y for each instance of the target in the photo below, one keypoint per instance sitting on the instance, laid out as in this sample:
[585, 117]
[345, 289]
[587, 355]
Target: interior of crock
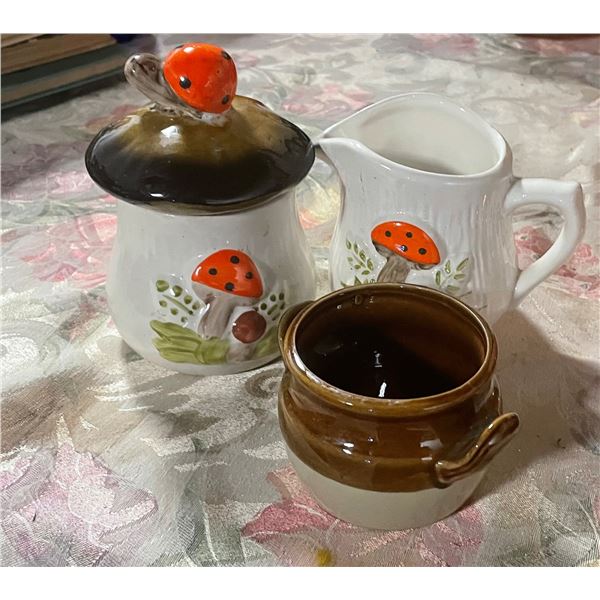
[392, 344]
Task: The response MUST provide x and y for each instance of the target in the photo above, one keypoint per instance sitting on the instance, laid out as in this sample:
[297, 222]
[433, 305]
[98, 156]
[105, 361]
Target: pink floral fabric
[79, 512]
[580, 276]
[108, 460]
[300, 532]
[76, 250]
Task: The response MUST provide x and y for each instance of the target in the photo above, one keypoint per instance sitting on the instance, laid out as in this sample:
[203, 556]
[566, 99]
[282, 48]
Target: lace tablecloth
[109, 460]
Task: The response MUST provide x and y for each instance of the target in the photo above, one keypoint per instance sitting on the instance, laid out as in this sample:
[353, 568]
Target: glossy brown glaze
[391, 444]
[159, 157]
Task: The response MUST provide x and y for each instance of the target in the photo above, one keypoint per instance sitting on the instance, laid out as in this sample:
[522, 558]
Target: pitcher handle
[492, 439]
[567, 198]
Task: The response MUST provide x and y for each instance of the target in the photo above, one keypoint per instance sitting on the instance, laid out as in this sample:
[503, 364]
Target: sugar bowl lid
[197, 145]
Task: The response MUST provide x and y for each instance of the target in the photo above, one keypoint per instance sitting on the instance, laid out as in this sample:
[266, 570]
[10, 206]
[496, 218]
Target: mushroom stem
[239, 352]
[215, 319]
[395, 270]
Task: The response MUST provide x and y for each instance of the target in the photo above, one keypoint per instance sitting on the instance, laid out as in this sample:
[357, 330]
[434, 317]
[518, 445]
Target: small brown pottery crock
[388, 406]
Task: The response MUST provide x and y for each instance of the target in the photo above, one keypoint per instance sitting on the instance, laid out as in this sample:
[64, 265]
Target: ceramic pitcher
[428, 192]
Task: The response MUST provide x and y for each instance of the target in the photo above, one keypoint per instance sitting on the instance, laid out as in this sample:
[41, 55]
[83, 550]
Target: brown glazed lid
[198, 145]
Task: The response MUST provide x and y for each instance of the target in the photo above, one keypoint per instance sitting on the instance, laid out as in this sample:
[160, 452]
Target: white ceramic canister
[209, 250]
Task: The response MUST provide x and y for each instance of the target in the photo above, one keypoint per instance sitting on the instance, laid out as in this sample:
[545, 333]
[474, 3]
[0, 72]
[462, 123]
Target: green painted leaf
[459, 276]
[448, 267]
[370, 264]
[213, 351]
[163, 303]
[462, 264]
[356, 267]
[350, 260]
[438, 278]
[355, 246]
[162, 285]
[348, 245]
[357, 281]
[362, 255]
[187, 299]
[365, 272]
[452, 288]
[179, 344]
[178, 304]
[174, 311]
[177, 290]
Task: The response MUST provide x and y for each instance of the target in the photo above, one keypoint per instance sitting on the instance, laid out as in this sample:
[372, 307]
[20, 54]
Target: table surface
[110, 460]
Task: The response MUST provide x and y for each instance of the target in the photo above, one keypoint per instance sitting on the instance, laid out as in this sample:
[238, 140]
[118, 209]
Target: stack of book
[38, 66]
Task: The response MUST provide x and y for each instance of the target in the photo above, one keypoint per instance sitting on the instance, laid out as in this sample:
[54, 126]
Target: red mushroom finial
[404, 246]
[202, 76]
[224, 280]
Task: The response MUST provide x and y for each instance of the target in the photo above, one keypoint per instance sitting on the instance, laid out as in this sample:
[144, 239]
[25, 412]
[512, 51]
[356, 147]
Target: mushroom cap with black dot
[229, 271]
[203, 76]
[394, 236]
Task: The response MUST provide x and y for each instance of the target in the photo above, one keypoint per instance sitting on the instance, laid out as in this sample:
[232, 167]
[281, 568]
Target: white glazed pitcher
[428, 192]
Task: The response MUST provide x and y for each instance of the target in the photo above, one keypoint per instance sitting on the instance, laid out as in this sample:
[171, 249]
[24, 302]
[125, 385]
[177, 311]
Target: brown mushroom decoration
[224, 280]
[405, 246]
[249, 327]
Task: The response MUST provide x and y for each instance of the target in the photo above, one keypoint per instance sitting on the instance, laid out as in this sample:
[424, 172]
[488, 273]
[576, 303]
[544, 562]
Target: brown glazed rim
[390, 408]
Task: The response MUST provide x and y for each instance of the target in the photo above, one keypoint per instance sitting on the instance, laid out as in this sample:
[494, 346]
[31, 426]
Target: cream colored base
[384, 510]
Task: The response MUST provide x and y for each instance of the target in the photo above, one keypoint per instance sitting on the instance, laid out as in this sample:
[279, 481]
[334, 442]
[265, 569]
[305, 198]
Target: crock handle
[492, 439]
[567, 198]
[286, 318]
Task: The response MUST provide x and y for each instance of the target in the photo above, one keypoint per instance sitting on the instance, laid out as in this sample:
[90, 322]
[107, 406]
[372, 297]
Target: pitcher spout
[339, 152]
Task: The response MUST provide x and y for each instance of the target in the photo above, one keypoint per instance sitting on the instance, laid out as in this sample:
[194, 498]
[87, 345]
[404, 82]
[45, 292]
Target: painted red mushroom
[405, 246]
[224, 280]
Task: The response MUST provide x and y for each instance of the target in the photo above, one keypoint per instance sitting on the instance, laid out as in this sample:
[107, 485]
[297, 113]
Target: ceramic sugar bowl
[209, 250]
[389, 407]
